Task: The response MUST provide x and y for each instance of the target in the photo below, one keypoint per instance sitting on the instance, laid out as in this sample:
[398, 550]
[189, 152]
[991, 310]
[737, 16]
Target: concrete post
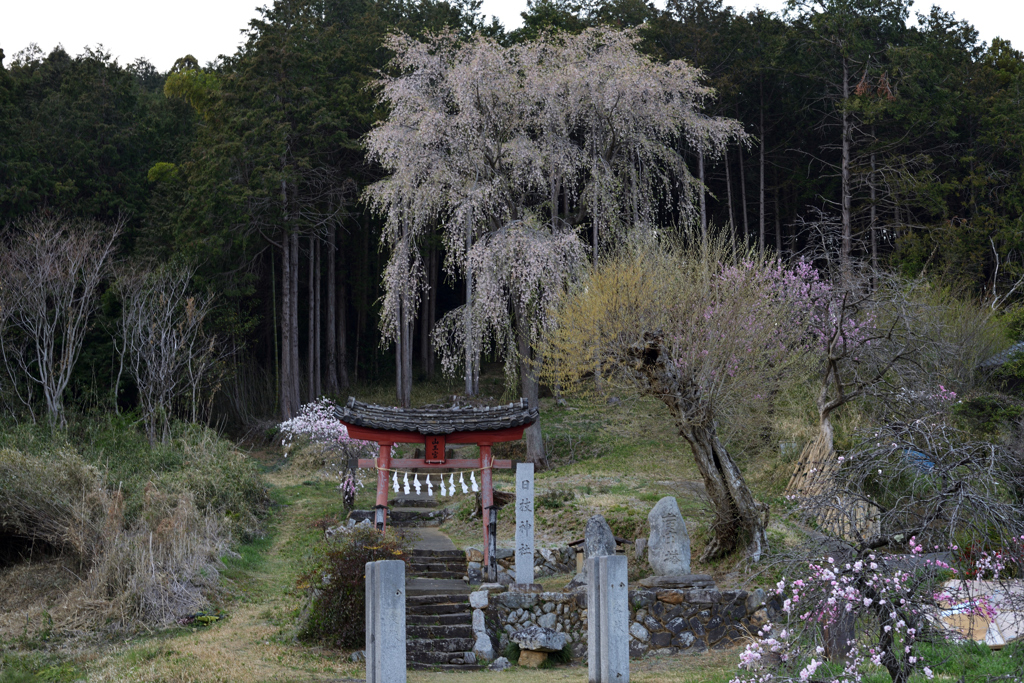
[524, 523]
[607, 619]
[385, 621]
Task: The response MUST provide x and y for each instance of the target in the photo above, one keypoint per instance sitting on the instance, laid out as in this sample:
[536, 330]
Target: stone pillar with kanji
[524, 523]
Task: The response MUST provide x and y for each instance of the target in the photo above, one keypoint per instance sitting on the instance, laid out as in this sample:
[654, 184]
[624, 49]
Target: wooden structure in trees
[435, 428]
[813, 482]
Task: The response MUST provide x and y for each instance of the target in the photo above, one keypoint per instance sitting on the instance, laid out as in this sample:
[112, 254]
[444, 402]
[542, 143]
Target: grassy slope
[617, 460]
[255, 640]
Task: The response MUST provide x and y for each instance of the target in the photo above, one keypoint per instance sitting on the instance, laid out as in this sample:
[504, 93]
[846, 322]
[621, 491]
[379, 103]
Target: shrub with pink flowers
[941, 506]
[845, 618]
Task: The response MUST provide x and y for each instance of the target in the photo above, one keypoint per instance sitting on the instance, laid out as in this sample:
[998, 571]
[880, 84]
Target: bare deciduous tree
[162, 343]
[51, 269]
[879, 336]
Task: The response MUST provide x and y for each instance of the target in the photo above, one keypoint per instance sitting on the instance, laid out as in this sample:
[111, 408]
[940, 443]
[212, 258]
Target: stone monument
[524, 523]
[598, 539]
[668, 548]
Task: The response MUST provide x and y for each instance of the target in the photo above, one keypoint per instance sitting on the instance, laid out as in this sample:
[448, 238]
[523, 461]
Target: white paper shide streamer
[447, 489]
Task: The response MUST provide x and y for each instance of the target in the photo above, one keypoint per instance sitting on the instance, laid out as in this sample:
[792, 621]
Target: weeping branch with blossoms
[946, 529]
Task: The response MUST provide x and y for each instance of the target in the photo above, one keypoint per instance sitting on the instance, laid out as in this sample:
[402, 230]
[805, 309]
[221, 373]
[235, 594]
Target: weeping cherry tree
[518, 155]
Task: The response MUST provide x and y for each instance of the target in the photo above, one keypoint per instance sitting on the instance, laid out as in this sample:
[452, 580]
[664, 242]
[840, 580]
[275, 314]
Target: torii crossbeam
[435, 428]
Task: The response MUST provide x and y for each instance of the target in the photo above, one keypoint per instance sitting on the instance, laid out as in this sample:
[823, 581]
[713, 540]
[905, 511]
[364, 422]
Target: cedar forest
[861, 136]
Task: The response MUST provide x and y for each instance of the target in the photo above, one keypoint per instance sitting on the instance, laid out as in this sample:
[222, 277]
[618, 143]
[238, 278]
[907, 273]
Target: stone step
[425, 569]
[435, 610]
[448, 619]
[428, 565]
[418, 587]
[437, 575]
[439, 554]
[419, 646]
[437, 599]
[418, 569]
[446, 631]
[413, 503]
[446, 667]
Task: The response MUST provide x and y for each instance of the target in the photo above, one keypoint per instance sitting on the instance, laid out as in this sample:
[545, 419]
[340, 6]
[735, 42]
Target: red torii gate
[435, 428]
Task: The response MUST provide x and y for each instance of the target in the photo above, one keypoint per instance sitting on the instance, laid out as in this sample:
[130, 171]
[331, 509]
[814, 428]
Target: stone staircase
[439, 632]
[436, 564]
[438, 617]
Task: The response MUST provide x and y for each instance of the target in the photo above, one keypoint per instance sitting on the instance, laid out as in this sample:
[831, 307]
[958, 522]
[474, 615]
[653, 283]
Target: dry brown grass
[109, 573]
[244, 649]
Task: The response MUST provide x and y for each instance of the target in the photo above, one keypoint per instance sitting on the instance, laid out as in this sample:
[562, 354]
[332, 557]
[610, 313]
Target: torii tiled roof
[437, 420]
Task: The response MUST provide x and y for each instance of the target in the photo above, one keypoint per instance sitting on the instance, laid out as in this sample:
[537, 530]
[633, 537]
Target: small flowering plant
[317, 423]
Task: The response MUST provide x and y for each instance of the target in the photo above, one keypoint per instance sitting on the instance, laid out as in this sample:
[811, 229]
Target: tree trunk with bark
[743, 201]
[778, 220]
[813, 470]
[294, 320]
[426, 319]
[407, 328]
[311, 327]
[847, 246]
[760, 241]
[728, 190]
[738, 517]
[432, 311]
[342, 337]
[529, 382]
[285, 387]
[332, 312]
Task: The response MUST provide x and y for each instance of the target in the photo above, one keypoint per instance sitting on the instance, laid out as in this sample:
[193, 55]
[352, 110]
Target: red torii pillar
[435, 457]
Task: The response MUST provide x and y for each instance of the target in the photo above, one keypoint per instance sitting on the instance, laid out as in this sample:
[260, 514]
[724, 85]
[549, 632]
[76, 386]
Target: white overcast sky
[162, 32]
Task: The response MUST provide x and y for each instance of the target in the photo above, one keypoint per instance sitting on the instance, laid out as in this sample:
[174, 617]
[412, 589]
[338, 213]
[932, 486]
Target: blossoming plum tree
[711, 340]
[513, 152]
[945, 503]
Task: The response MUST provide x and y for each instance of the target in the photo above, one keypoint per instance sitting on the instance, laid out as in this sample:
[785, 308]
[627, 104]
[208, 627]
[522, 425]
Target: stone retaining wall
[546, 561]
[665, 621]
